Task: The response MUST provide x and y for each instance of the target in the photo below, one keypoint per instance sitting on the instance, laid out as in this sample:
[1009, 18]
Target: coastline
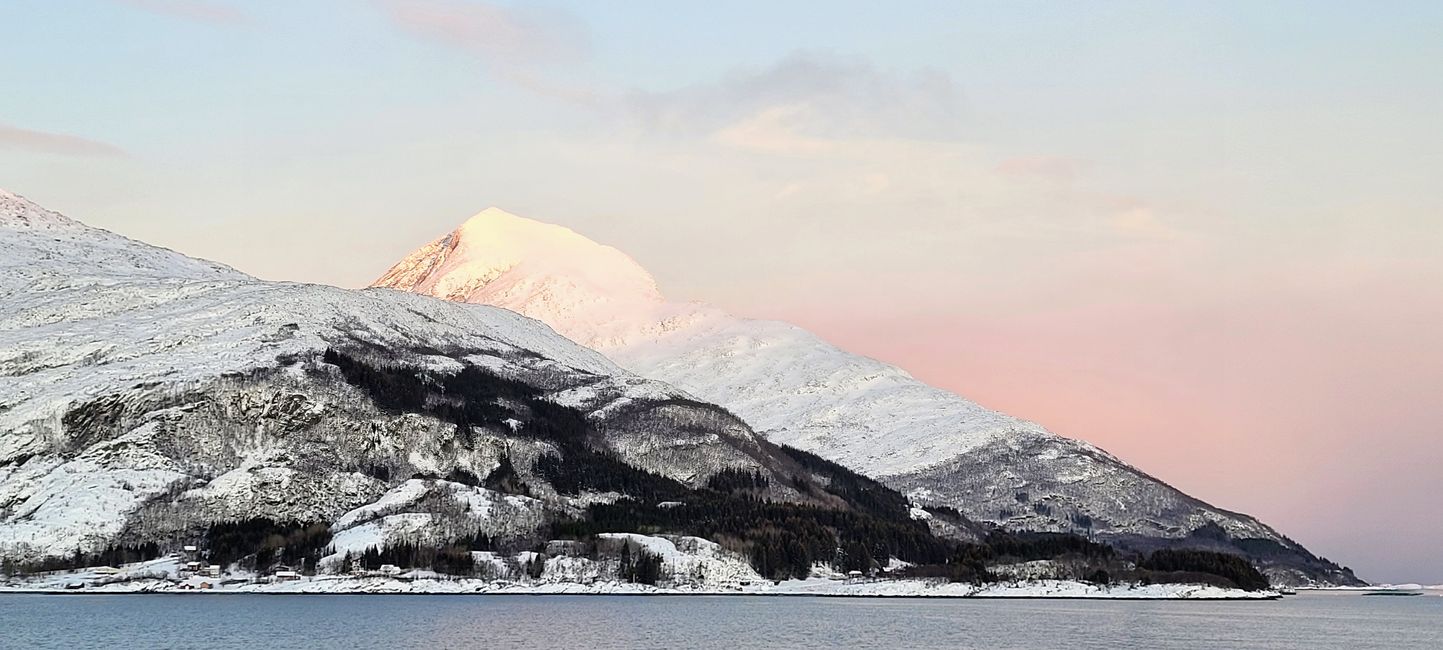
[815, 587]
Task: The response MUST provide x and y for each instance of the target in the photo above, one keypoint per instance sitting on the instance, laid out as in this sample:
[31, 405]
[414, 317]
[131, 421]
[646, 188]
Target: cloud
[1058, 168]
[196, 10]
[1131, 217]
[774, 130]
[515, 44]
[820, 96]
[502, 36]
[12, 137]
[1140, 221]
[799, 102]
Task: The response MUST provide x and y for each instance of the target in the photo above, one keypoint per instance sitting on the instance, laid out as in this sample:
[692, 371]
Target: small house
[286, 576]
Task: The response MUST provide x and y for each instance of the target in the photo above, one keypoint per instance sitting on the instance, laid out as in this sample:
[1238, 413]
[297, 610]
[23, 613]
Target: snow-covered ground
[1407, 587]
[689, 565]
[1020, 589]
[820, 587]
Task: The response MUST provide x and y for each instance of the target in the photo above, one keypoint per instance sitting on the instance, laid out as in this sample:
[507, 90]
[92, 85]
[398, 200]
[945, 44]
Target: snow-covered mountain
[798, 390]
[148, 397]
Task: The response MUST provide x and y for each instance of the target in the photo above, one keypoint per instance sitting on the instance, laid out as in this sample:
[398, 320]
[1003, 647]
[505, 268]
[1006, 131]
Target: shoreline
[74, 592]
[814, 588]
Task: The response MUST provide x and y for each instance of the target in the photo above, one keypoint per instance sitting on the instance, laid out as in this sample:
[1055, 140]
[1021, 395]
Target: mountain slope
[796, 389]
[150, 398]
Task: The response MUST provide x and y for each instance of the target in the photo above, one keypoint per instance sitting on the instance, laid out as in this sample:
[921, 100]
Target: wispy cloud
[823, 96]
[1134, 218]
[500, 35]
[515, 44]
[798, 103]
[774, 130]
[197, 10]
[1060, 168]
[12, 137]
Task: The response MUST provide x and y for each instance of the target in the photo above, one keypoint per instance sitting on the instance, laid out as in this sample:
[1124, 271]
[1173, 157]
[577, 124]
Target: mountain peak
[493, 218]
[494, 212]
[495, 228]
[543, 270]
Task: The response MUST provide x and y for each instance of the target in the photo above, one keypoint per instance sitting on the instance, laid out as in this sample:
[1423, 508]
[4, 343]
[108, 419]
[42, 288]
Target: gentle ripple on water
[730, 622]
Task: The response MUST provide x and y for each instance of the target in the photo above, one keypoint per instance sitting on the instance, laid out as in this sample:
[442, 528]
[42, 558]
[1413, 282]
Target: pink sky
[1317, 412]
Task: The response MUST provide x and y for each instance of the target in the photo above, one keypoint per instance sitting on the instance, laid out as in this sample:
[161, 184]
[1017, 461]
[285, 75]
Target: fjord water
[732, 622]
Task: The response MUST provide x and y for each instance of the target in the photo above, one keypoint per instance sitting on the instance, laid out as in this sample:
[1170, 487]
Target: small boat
[1393, 592]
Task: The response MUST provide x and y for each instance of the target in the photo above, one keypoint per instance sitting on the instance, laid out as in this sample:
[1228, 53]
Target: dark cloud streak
[16, 138]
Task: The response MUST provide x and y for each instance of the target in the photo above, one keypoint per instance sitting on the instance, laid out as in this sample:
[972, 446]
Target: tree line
[262, 544]
[1233, 568]
[112, 555]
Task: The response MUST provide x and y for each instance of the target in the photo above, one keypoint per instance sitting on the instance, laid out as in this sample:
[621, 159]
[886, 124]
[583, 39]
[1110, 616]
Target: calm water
[732, 622]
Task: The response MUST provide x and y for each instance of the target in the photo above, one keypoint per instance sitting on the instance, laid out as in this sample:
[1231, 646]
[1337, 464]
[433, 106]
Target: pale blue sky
[1180, 230]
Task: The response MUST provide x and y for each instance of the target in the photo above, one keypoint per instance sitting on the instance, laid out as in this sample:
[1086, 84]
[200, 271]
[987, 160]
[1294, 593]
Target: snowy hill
[798, 390]
[151, 398]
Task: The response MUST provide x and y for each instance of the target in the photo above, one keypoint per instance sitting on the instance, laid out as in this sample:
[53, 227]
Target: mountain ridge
[151, 398]
[150, 401]
[798, 390]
